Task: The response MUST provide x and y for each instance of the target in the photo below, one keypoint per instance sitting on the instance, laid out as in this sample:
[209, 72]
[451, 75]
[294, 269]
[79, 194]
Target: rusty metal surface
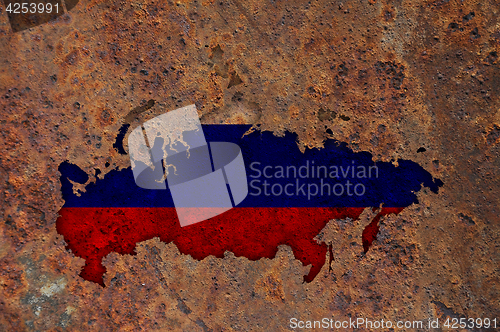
[387, 77]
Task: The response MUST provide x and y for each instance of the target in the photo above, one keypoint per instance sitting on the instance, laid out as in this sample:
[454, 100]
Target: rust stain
[385, 77]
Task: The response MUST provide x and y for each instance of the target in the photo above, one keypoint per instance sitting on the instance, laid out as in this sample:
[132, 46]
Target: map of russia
[292, 196]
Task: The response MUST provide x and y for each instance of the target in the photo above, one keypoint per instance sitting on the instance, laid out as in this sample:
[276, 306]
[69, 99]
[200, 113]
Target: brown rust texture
[388, 77]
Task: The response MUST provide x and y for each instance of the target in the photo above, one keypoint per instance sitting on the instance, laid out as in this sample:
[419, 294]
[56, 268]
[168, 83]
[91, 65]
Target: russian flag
[291, 197]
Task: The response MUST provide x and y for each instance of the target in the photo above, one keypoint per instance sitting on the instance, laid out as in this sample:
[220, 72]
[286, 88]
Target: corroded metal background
[389, 77]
